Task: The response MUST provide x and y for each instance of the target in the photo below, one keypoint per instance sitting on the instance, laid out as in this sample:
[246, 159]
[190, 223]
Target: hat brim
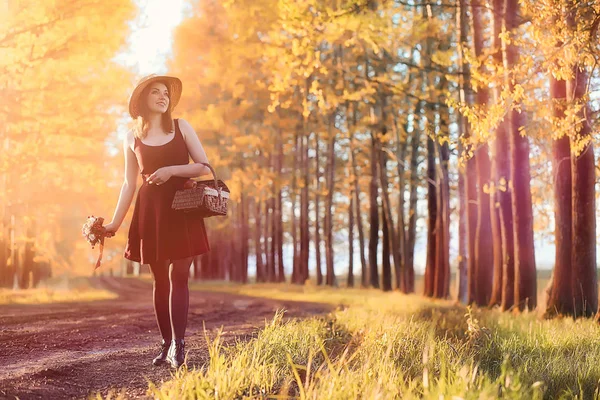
[174, 86]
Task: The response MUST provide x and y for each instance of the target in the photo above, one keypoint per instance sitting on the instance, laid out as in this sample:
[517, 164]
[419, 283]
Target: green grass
[388, 345]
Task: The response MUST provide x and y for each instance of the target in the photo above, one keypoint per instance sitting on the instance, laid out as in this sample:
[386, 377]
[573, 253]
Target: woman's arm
[128, 187]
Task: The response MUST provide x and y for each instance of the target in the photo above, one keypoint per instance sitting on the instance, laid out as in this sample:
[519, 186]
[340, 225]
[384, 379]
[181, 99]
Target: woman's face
[158, 98]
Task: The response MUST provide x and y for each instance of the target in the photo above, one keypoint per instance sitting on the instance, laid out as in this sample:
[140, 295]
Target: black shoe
[162, 356]
[176, 356]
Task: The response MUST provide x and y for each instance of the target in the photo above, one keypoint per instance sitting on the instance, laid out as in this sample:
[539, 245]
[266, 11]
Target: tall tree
[480, 280]
[467, 187]
[317, 221]
[350, 280]
[356, 192]
[525, 290]
[560, 299]
[584, 284]
[330, 174]
[442, 271]
[373, 214]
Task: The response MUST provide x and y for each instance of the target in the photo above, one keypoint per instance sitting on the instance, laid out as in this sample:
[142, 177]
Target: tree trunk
[359, 225]
[584, 284]
[466, 179]
[441, 288]
[330, 279]
[386, 268]
[480, 280]
[279, 212]
[350, 281]
[3, 257]
[13, 254]
[317, 211]
[412, 208]
[272, 238]
[293, 195]
[246, 242]
[373, 215]
[304, 200]
[401, 147]
[501, 193]
[433, 183]
[522, 210]
[502, 188]
[387, 211]
[467, 183]
[269, 234]
[432, 210]
[472, 216]
[461, 273]
[27, 263]
[261, 275]
[560, 297]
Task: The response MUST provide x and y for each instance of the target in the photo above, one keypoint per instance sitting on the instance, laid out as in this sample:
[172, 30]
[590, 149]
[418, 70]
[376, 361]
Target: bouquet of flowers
[94, 233]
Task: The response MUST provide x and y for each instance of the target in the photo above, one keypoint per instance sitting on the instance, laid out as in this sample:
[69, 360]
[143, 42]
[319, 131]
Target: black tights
[171, 296]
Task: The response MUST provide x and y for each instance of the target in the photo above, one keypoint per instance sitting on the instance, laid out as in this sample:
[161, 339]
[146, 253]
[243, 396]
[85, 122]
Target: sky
[150, 43]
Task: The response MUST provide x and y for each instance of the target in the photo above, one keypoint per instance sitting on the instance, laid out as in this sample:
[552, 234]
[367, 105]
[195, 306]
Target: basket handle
[219, 190]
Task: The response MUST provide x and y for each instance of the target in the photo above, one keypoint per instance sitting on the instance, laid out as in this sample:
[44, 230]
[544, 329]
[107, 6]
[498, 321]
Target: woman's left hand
[160, 176]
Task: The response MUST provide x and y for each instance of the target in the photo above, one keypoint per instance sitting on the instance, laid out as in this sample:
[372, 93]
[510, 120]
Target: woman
[159, 148]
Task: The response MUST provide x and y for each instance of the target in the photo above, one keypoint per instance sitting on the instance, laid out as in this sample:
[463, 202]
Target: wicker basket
[208, 198]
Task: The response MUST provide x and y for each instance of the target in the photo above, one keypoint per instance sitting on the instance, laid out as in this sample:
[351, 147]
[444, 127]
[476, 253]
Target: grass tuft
[396, 346]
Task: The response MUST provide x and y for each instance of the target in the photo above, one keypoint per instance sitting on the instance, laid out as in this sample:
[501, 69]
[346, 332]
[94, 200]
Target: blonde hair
[142, 124]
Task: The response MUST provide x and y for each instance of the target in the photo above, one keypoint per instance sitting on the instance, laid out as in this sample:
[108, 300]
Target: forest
[413, 199]
[347, 131]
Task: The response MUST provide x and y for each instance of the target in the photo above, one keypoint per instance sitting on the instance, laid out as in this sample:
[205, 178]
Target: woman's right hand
[111, 229]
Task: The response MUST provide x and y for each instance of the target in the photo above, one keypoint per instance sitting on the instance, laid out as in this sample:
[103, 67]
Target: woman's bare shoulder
[129, 139]
[184, 126]
[186, 129]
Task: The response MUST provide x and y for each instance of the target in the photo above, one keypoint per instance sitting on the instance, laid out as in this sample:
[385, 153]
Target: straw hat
[174, 87]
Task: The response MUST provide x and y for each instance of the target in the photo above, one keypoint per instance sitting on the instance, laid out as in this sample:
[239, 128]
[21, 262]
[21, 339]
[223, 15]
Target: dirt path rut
[71, 350]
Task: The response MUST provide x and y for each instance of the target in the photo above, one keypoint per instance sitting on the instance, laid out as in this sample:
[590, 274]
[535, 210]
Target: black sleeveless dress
[157, 232]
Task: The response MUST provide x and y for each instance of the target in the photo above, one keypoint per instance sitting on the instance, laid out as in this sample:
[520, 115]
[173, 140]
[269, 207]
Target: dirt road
[71, 350]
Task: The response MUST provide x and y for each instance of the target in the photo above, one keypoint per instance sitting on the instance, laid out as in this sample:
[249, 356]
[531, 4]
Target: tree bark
[525, 291]
[584, 284]
[359, 225]
[441, 287]
[279, 212]
[501, 193]
[261, 275]
[3, 258]
[412, 207]
[431, 219]
[317, 211]
[304, 200]
[467, 190]
[269, 234]
[386, 268]
[401, 147]
[480, 280]
[330, 279]
[273, 238]
[560, 297]
[373, 215]
[350, 281]
[387, 210]
[242, 267]
[293, 195]
[433, 234]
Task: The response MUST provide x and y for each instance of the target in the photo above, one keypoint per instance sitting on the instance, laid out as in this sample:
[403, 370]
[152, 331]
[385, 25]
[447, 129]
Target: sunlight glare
[150, 43]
